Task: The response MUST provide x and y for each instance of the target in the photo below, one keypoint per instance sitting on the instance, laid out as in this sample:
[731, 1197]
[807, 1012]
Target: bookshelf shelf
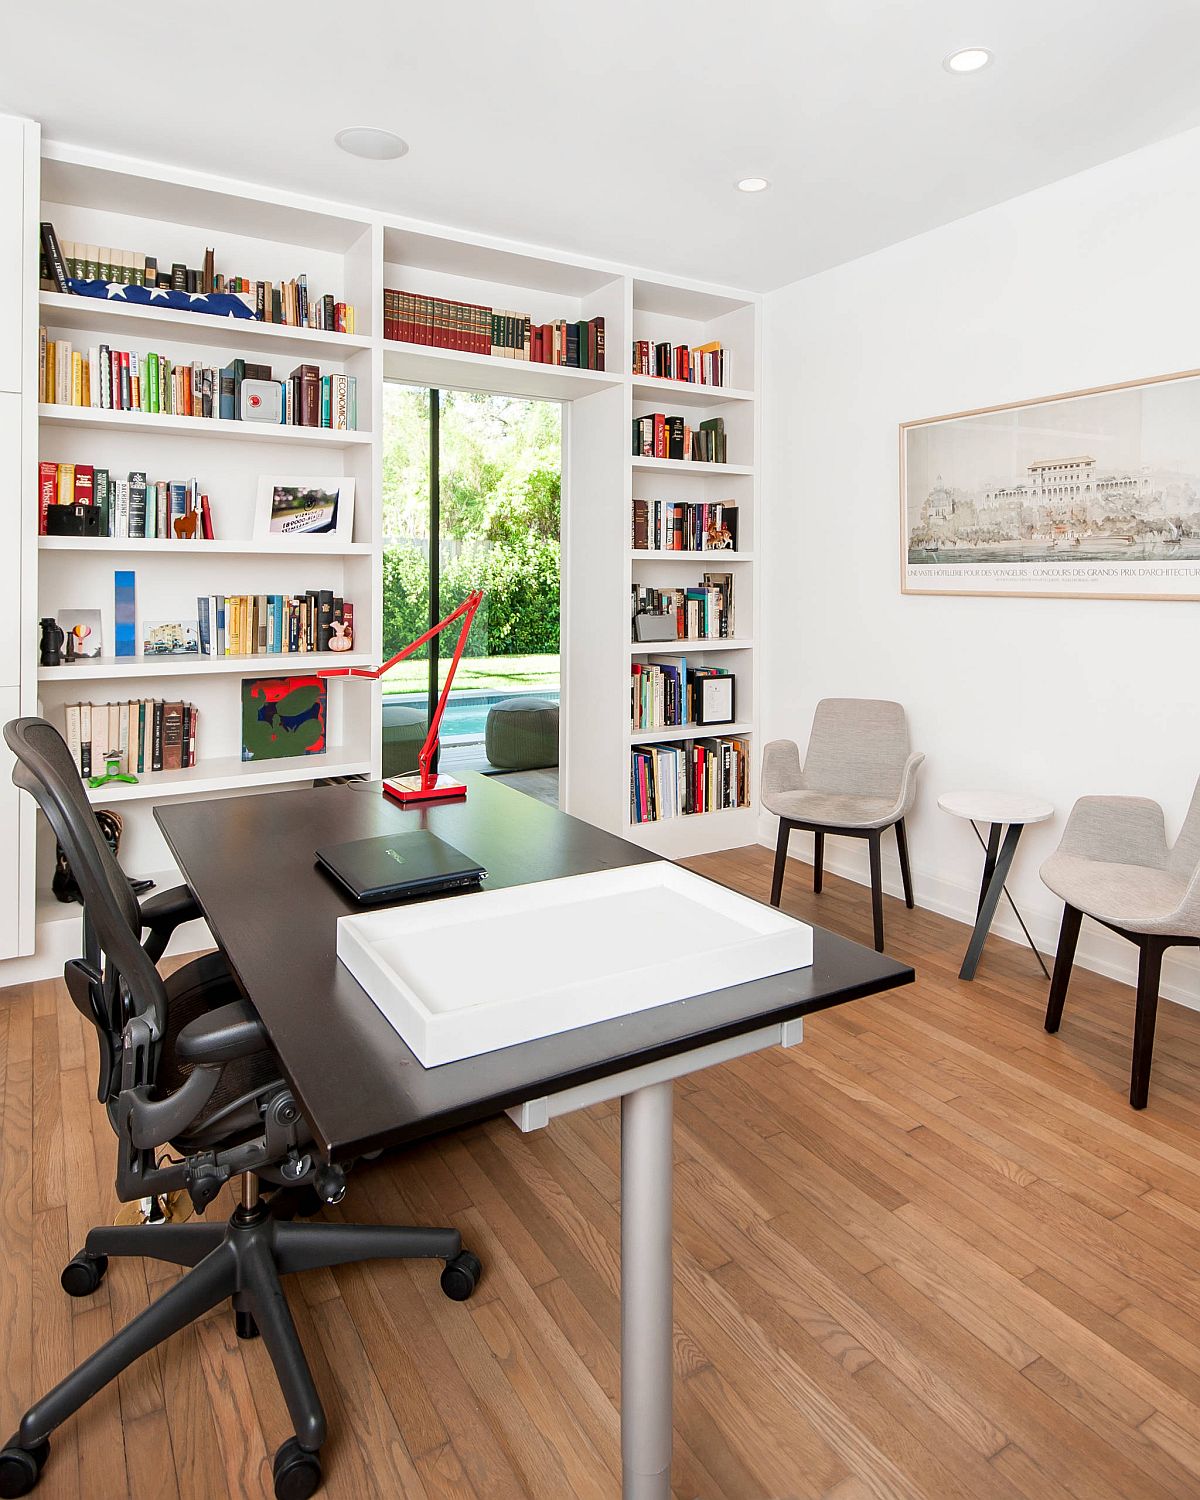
[207, 427]
[132, 320]
[225, 773]
[419, 364]
[686, 466]
[688, 732]
[685, 393]
[713, 555]
[671, 648]
[265, 663]
[191, 550]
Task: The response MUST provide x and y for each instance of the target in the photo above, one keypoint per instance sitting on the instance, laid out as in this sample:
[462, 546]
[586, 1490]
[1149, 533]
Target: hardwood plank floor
[931, 1254]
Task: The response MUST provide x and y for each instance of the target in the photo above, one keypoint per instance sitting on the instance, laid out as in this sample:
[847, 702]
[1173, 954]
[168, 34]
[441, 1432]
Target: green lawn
[494, 674]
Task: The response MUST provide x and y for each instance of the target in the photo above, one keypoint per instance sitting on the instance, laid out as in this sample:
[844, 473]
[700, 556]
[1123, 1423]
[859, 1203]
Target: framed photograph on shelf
[288, 507]
[170, 638]
[82, 634]
[1094, 494]
[713, 700]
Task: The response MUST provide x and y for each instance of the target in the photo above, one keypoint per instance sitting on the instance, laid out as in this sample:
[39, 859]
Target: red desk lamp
[424, 786]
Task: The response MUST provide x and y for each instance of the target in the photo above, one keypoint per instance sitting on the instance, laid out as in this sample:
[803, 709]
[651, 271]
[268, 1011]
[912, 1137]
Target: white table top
[983, 806]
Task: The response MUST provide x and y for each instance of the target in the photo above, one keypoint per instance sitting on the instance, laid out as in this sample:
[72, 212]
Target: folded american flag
[216, 304]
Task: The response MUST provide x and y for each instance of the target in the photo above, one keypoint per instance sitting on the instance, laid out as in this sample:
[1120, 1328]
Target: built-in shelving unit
[354, 254]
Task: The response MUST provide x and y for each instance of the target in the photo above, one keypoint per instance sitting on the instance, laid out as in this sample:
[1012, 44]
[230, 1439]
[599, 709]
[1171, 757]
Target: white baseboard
[1099, 949]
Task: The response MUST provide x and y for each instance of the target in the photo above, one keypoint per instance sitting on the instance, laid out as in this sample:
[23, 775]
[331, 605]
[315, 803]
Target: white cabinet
[13, 829]
[12, 247]
[12, 492]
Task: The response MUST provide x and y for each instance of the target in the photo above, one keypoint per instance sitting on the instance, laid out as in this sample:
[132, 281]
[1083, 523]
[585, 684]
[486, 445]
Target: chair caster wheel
[83, 1273]
[297, 1472]
[21, 1468]
[461, 1276]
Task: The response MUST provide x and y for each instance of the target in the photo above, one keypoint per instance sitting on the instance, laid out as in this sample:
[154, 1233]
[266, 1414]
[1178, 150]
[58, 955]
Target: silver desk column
[646, 1277]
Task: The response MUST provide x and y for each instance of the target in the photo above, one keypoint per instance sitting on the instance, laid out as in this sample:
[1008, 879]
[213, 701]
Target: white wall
[1086, 282]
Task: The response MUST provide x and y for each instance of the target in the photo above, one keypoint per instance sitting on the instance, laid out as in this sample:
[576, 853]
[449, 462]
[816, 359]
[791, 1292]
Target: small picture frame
[83, 637]
[291, 507]
[714, 700]
[171, 638]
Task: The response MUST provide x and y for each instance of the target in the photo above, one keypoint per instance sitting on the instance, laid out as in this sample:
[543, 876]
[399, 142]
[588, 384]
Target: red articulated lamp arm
[466, 611]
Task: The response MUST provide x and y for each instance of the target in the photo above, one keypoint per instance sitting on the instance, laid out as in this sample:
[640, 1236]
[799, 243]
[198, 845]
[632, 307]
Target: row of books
[703, 364]
[685, 525]
[704, 612]
[109, 379]
[472, 328]
[658, 436]
[286, 302]
[273, 624]
[666, 694]
[133, 507]
[699, 776]
[145, 734]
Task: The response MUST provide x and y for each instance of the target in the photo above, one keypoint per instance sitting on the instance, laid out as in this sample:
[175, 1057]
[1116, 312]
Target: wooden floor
[930, 1253]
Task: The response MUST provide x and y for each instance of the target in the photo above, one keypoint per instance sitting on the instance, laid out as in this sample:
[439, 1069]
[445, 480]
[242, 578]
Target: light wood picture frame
[1091, 494]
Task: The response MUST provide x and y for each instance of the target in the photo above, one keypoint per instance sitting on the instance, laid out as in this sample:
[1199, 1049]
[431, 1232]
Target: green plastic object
[112, 771]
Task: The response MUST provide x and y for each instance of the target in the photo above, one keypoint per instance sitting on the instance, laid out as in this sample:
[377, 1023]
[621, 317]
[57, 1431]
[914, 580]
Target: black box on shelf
[73, 520]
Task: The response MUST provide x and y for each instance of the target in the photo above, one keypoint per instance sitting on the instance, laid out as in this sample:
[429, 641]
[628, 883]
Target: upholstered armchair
[1114, 865]
[859, 777]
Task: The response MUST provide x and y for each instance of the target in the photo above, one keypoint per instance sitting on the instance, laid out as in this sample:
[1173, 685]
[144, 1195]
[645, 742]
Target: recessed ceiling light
[967, 60]
[369, 141]
[752, 184]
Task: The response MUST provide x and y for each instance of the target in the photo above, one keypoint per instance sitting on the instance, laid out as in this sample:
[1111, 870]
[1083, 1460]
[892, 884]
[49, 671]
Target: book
[701, 364]
[52, 250]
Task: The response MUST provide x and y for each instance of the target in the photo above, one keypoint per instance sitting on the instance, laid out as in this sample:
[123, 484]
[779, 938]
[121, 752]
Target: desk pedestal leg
[646, 1276]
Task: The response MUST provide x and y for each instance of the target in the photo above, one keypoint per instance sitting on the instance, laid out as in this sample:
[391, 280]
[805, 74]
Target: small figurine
[53, 637]
[185, 526]
[340, 638]
[718, 536]
[112, 771]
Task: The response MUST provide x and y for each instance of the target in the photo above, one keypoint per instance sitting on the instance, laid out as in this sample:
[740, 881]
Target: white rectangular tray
[474, 973]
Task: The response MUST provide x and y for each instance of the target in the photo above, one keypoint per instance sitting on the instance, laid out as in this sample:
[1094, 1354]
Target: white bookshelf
[354, 253]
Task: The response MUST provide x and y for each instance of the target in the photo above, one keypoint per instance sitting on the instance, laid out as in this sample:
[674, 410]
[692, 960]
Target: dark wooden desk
[249, 861]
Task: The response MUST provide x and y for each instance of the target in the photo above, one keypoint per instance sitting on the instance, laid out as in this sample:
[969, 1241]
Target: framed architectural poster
[1092, 494]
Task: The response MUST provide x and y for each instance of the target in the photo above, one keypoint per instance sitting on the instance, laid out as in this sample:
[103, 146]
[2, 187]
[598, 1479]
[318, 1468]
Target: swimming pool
[466, 713]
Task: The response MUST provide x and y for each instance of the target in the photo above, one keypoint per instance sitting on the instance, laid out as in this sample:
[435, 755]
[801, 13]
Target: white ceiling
[618, 128]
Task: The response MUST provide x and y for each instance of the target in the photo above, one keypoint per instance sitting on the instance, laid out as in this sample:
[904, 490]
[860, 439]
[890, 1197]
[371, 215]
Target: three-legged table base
[998, 858]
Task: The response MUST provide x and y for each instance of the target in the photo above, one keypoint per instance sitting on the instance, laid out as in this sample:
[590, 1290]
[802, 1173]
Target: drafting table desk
[249, 861]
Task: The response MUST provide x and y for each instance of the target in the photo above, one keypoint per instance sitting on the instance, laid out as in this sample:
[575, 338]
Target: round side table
[1002, 810]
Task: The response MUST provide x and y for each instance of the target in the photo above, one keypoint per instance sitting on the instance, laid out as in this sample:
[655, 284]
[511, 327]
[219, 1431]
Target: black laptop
[397, 865]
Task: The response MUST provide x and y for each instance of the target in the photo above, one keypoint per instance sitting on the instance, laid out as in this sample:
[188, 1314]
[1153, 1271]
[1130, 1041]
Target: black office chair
[186, 1064]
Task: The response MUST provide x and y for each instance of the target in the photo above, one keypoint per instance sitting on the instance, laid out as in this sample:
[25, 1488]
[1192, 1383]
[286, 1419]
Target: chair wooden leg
[1068, 936]
[1149, 974]
[818, 860]
[905, 872]
[781, 848]
[876, 889]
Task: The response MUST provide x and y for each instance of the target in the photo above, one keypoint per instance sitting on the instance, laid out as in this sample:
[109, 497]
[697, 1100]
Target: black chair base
[1151, 948]
[243, 1260]
[873, 836]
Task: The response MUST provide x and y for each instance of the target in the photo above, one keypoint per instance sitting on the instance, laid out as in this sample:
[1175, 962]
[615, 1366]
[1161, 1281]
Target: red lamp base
[406, 789]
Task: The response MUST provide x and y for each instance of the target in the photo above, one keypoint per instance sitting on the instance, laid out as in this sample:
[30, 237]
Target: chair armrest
[162, 913]
[908, 781]
[222, 1035]
[780, 769]
[1117, 830]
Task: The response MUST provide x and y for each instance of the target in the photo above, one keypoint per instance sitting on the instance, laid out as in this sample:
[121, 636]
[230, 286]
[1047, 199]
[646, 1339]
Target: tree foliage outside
[500, 466]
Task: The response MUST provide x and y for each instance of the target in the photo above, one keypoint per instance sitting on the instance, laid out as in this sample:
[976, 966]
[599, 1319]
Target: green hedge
[519, 616]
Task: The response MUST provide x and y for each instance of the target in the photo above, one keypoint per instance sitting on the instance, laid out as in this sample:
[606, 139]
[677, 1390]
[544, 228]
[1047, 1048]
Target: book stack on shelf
[701, 364]
[668, 694]
[473, 328]
[273, 624]
[678, 780]
[704, 612]
[658, 436]
[109, 379]
[143, 735]
[129, 508]
[685, 526]
[71, 267]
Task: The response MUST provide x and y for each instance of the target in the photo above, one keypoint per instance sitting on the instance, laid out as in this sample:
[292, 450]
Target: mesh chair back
[46, 770]
[857, 748]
